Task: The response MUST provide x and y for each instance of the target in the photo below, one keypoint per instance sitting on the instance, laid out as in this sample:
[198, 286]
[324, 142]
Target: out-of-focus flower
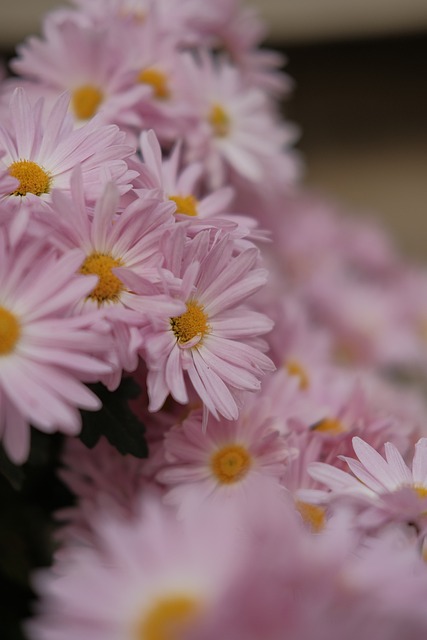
[45, 352]
[386, 484]
[87, 61]
[235, 130]
[153, 577]
[224, 460]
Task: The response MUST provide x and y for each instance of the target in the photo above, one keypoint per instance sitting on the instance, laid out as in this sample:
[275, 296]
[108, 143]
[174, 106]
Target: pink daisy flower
[151, 578]
[127, 241]
[87, 61]
[182, 185]
[119, 249]
[223, 460]
[215, 342]
[385, 483]
[235, 129]
[44, 352]
[170, 13]
[156, 63]
[42, 156]
[101, 479]
[238, 31]
[331, 586]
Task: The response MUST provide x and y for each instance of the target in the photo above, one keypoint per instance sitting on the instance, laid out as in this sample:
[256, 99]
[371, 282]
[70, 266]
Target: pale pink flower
[223, 461]
[43, 156]
[127, 241]
[385, 483]
[45, 352]
[330, 586]
[100, 479]
[156, 63]
[235, 571]
[119, 248]
[215, 342]
[237, 30]
[181, 185]
[88, 61]
[296, 342]
[143, 578]
[170, 14]
[236, 130]
[177, 183]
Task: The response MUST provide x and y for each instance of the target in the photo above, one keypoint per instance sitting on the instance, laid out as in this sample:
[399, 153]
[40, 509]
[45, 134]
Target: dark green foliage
[115, 420]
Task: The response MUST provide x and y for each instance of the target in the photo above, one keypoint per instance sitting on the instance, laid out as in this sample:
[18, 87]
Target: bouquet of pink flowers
[223, 358]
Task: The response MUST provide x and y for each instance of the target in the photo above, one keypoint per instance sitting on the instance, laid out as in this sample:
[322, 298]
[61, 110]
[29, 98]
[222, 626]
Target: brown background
[362, 107]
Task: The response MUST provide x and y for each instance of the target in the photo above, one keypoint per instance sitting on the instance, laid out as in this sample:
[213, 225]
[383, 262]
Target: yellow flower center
[331, 426]
[85, 101]
[157, 80]
[313, 515]
[185, 204]
[231, 463]
[32, 178]
[419, 490]
[219, 121]
[168, 619]
[294, 368]
[109, 285]
[10, 331]
[191, 323]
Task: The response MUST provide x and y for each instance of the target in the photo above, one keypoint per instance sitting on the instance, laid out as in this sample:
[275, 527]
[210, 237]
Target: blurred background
[360, 99]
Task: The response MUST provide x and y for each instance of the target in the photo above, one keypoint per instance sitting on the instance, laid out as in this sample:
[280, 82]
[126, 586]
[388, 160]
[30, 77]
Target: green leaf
[115, 420]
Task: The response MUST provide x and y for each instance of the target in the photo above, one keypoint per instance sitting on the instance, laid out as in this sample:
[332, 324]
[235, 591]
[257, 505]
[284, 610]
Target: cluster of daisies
[152, 226]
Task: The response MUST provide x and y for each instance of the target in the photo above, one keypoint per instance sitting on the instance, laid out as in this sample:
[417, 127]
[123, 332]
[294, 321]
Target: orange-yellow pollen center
[420, 491]
[313, 515]
[168, 619]
[85, 101]
[185, 204]
[109, 286]
[10, 331]
[157, 80]
[231, 463]
[219, 121]
[32, 178]
[294, 368]
[191, 323]
[331, 426]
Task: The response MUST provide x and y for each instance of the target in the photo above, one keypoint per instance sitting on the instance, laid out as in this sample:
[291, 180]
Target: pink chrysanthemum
[215, 341]
[182, 185]
[237, 30]
[236, 131]
[44, 352]
[386, 484]
[223, 460]
[88, 61]
[119, 248]
[148, 579]
[100, 479]
[42, 155]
